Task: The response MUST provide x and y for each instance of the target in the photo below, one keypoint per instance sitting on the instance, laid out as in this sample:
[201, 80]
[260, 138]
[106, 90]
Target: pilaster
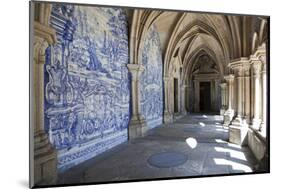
[239, 128]
[182, 104]
[168, 116]
[241, 68]
[261, 55]
[256, 66]
[137, 125]
[229, 113]
[45, 156]
[223, 98]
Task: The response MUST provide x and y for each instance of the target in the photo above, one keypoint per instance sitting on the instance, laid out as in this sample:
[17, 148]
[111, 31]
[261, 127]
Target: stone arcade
[110, 78]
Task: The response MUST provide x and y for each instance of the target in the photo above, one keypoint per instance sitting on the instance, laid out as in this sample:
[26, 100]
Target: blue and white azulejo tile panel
[86, 82]
[151, 79]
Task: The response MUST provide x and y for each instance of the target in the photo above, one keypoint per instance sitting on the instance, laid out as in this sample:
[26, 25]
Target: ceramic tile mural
[151, 79]
[86, 82]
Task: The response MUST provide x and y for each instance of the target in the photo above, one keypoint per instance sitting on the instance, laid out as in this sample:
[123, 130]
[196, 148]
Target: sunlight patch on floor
[222, 130]
[233, 153]
[234, 145]
[202, 124]
[234, 165]
[220, 141]
[191, 142]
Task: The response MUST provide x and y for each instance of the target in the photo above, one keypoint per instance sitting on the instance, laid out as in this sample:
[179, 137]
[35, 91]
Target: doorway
[205, 96]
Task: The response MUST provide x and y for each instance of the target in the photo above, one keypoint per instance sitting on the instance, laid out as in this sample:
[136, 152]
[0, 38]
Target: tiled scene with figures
[124, 94]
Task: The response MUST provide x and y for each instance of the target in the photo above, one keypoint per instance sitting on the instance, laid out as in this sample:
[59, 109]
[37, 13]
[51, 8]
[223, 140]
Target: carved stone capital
[45, 32]
[39, 47]
[261, 53]
[223, 85]
[167, 79]
[44, 36]
[241, 66]
[258, 60]
[257, 66]
[135, 70]
[229, 78]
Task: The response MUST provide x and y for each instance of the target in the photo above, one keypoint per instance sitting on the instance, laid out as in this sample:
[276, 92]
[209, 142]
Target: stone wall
[86, 82]
[256, 144]
[151, 88]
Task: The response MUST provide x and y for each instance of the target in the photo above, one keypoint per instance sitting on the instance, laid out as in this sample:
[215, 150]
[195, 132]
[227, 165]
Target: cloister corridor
[124, 94]
[201, 139]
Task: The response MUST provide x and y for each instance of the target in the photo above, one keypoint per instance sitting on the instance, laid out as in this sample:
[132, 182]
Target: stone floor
[201, 139]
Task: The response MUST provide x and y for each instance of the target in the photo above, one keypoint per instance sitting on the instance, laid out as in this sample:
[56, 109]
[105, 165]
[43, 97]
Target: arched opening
[204, 91]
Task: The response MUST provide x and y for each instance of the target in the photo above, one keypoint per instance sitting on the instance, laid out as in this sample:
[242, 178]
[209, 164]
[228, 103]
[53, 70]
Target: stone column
[257, 94]
[196, 96]
[223, 98]
[42, 152]
[187, 96]
[182, 103]
[264, 95]
[137, 126]
[45, 156]
[168, 117]
[217, 96]
[238, 128]
[229, 113]
[213, 96]
[247, 93]
[239, 78]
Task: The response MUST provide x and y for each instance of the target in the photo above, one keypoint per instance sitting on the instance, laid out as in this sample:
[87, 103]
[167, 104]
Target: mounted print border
[121, 94]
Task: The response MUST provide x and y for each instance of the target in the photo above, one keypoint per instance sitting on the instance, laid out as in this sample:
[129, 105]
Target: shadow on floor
[200, 137]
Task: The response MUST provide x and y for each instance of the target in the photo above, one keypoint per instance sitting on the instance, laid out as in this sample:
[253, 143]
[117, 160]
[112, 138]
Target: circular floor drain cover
[167, 159]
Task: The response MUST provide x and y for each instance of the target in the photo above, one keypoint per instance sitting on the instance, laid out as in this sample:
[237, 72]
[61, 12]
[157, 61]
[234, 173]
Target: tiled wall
[86, 82]
[151, 79]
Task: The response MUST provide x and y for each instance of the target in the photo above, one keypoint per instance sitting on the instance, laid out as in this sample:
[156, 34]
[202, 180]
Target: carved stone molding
[240, 66]
[257, 67]
[135, 70]
[229, 78]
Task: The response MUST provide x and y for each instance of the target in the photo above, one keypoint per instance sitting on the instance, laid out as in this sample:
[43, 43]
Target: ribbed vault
[184, 36]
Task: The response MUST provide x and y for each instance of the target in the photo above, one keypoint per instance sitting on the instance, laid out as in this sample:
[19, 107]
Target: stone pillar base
[168, 117]
[184, 112]
[227, 117]
[256, 123]
[222, 111]
[137, 127]
[45, 160]
[238, 134]
[238, 121]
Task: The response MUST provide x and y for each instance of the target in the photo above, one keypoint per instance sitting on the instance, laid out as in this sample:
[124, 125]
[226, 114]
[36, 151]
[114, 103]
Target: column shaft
[223, 98]
[228, 115]
[168, 118]
[257, 95]
[264, 99]
[137, 125]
